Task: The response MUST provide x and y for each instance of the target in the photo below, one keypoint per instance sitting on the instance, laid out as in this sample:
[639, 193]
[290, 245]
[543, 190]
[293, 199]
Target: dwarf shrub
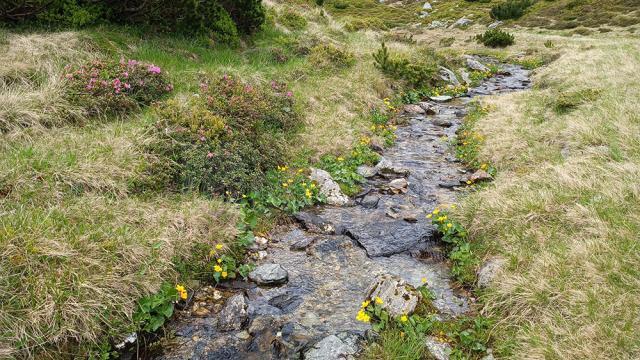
[495, 38]
[511, 9]
[330, 56]
[417, 72]
[227, 138]
[105, 88]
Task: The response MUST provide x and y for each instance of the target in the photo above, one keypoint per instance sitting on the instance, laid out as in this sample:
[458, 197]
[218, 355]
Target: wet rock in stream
[335, 255]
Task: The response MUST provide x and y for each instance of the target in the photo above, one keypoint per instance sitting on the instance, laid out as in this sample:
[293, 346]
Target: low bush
[418, 72]
[495, 38]
[106, 88]
[326, 56]
[227, 138]
[511, 9]
[222, 20]
[292, 20]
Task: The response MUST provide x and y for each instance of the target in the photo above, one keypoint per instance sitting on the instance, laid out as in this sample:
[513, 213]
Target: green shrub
[292, 20]
[221, 19]
[105, 88]
[495, 38]
[419, 72]
[511, 9]
[329, 56]
[226, 139]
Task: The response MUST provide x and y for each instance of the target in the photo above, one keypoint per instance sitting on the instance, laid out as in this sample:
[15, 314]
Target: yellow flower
[284, 184]
[424, 280]
[244, 196]
[484, 166]
[290, 181]
[373, 128]
[453, 207]
[363, 316]
[219, 246]
[340, 158]
[449, 226]
[436, 211]
[217, 268]
[300, 171]
[212, 253]
[378, 300]
[365, 304]
[313, 186]
[219, 261]
[183, 295]
[180, 288]
[404, 318]
[308, 193]
[468, 182]
[224, 274]
[304, 184]
[429, 216]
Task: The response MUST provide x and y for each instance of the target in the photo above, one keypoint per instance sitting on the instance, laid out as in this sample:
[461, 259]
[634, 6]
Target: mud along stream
[317, 273]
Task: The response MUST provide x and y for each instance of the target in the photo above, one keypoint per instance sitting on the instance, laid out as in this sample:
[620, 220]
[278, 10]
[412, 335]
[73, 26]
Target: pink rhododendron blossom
[125, 74]
[154, 69]
[289, 94]
[127, 86]
[210, 155]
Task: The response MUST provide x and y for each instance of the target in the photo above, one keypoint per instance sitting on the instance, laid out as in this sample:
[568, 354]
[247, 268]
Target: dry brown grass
[564, 208]
[31, 79]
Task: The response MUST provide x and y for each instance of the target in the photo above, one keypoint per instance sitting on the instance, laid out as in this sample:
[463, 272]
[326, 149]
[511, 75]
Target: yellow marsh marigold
[378, 300]
[365, 304]
[363, 316]
[217, 268]
[182, 292]
[224, 274]
[219, 246]
[404, 318]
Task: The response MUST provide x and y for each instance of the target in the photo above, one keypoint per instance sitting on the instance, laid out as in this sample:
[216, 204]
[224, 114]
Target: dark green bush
[495, 38]
[221, 19]
[227, 138]
[105, 88]
[511, 9]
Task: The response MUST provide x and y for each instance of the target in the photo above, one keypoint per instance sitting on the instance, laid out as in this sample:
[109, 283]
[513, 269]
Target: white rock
[427, 6]
[398, 297]
[440, 351]
[495, 24]
[463, 21]
[489, 270]
[449, 76]
[329, 188]
[474, 64]
[334, 347]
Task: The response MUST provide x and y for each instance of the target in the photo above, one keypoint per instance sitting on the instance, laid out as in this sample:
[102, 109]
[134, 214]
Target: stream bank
[307, 290]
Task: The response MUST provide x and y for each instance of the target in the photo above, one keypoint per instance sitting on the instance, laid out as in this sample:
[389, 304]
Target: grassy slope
[568, 224]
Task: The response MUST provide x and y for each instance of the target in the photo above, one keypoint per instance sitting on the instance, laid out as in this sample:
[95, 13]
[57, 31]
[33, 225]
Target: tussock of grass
[31, 80]
[564, 207]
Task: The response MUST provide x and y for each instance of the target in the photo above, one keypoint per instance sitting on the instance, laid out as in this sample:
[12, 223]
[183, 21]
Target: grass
[564, 206]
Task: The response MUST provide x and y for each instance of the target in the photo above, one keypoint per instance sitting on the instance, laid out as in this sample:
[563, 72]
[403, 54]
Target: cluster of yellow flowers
[182, 292]
[441, 219]
[387, 103]
[283, 168]
[362, 313]
[484, 166]
[365, 140]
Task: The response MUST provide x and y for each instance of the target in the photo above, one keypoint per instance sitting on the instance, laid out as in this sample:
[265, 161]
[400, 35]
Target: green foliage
[419, 72]
[226, 139]
[329, 56]
[105, 88]
[292, 20]
[288, 190]
[343, 169]
[222, 20]
[462, 257]
[469, 336]
[154, 310]
[495, 38]
[511, 9]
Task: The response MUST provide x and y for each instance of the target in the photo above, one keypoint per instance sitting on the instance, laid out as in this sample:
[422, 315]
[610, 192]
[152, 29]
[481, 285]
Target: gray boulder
[413, 109]
[462, 22]
[489, 270]
[429, 108]
[234, 315]
[441, 98]
[495, 24]
[439, 351]
[398, 297]
[328, 187]
[476, 65]
[465, 76]
[449, 76]
[334, 347]
[269, 274]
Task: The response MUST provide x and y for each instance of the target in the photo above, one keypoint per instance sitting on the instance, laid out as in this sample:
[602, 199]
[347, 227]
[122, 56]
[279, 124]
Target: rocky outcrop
[449, 76]
[413, 109]
[474, 64]
[439, 350]
[488, 271]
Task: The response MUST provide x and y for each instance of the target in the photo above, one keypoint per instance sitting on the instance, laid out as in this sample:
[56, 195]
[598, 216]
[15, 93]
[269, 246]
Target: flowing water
[329, 272]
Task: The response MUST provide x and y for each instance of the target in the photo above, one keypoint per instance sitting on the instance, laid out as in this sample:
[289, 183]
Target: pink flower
[225, 77]
[169, 87]
[69, 76]
[154, 69]
[117, 83]
[202, 138]
[289, 94]
[103, 83]
[204, 87]
[132, 63]
[125, 74]
[127, 86]
[209, 155]
[248, 88]
[141, 82]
